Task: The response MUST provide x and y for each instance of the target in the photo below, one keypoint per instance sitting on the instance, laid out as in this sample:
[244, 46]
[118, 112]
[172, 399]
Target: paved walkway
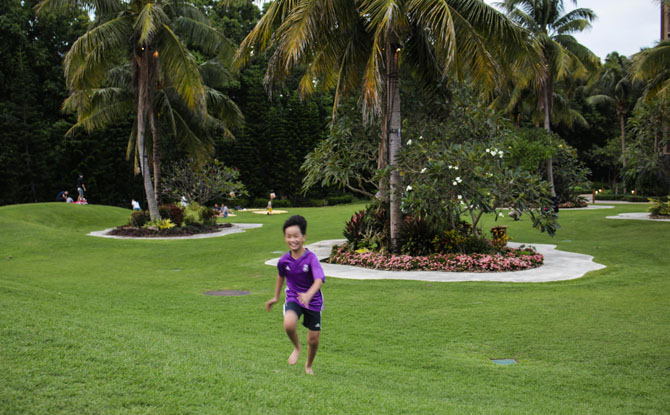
[637, 216]
[558, 266]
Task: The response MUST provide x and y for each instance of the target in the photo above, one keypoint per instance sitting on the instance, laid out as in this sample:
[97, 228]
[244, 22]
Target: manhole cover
[504, 361]
[227, 293]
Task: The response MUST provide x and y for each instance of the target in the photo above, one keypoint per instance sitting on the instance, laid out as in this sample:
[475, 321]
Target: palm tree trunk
[394, 139]
[143, 110]
[622, 123]
[156, 156]
[546, 95]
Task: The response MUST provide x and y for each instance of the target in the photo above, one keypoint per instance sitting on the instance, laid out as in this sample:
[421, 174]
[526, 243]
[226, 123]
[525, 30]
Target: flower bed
[176, 231]
[508, 260]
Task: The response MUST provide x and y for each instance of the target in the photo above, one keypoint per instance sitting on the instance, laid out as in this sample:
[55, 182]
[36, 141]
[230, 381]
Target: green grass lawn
[101, 326]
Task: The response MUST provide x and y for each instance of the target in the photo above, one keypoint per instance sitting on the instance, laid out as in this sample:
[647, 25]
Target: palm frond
[150, 19]
[96, 51]
[178, 65]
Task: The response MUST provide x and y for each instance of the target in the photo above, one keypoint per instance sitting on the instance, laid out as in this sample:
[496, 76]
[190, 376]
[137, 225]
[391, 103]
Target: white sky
[624, 26]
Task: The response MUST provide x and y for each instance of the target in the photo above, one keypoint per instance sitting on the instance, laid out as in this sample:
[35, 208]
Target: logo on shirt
[305, 268]
[288, 268]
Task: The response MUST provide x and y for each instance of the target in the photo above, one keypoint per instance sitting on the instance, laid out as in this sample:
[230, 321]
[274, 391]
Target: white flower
[423, 170]
[500, 214]
[409, 188]
[409, 142]
[454, 183]
[459, 180]
[488, 151]
[420, 137]
[459, 197]
[450, 167]
[500, 153]
[455, 167]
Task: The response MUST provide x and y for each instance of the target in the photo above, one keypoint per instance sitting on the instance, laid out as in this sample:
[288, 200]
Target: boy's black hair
[296, 220]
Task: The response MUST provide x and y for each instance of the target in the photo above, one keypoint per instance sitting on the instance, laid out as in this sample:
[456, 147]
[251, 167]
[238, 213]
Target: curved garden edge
[236, 228]
[558, 266]
[638, 216]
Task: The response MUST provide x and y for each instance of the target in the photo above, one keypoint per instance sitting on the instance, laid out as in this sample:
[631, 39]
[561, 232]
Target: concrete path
[636, 216]
[236, 228]
[558, 266]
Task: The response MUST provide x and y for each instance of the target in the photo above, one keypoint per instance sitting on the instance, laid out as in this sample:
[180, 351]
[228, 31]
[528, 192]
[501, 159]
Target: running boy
[304, 276]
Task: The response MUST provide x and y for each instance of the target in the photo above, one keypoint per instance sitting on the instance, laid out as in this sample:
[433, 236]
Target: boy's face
[294, 237]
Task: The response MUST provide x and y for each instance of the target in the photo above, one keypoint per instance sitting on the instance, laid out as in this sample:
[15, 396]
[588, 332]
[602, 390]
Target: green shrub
[208, 216]
[659, 207]
[314, 203]
[260, 202]
[193, 215]
[477, 245]
[280, 203]
[160, 224]
[416, 236]
[138, 219]
[175, 213]
[338, 200]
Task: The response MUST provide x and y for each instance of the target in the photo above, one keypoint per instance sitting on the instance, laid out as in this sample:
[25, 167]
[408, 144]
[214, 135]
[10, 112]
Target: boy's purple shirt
[300, 275]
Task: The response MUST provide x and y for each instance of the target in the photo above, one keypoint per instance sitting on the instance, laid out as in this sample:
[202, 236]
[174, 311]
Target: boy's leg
[290, 323]
[312, 347]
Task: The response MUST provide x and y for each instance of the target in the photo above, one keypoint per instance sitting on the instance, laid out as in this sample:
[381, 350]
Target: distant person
[69, 200]
[81, 188]
[135, 204]
[183, 201]
[272, 196]
[62, 196]
[224, 211]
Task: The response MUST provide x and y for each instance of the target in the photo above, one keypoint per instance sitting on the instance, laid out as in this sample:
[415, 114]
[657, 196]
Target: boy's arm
[306, 297]
[278, 287]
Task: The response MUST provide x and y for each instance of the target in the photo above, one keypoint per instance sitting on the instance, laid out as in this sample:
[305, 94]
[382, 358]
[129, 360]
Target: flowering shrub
[507, 260]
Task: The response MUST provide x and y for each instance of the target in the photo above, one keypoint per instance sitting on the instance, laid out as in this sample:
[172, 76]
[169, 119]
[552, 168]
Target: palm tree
[563, 56]
[357, 46]
[141, 45]
[615, 87]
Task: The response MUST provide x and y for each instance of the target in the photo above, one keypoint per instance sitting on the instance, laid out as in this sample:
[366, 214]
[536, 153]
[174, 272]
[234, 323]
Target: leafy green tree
[149, 41]
[355, 45]
[616, 88]
[201, 183]
[31, 91]
[647, 153]
[562, 56]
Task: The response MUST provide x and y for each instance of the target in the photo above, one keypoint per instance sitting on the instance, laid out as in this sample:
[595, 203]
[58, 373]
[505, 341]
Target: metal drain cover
[504, 361]
[227, 293]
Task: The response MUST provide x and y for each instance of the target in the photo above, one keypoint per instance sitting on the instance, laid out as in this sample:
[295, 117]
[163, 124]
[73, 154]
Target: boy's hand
[304, 298]
[269, 303]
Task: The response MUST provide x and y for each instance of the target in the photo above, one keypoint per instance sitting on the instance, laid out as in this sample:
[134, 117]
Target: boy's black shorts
[312, 319]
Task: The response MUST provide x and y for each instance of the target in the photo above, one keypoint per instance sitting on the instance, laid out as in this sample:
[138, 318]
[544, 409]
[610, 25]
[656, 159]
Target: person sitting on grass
[304, 276]
[62, 196]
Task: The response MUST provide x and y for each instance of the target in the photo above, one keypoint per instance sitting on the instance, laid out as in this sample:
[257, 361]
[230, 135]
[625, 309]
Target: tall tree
[150, 40]
[350, 45]
[616, 88]
[551, 29]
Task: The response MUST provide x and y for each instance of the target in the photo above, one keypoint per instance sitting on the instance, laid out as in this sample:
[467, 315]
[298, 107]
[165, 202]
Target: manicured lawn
[91, 325]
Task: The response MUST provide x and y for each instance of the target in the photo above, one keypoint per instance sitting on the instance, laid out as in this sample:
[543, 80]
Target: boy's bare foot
[293, 358]
[308, 370]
